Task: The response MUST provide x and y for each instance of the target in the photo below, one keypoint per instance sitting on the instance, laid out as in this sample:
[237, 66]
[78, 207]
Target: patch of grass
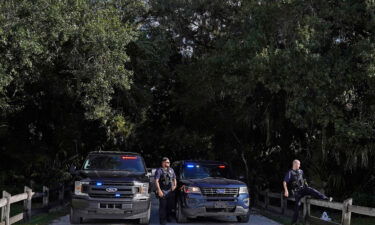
[45, 218]
[363, 221]
[17, 208]
[336, 216]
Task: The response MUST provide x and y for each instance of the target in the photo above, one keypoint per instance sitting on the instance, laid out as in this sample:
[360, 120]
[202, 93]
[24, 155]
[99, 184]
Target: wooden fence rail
[345, 207]
[26, 197]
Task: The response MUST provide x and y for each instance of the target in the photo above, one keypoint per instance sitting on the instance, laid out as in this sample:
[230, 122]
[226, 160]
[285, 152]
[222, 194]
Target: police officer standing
[165, 182]
[295, 180]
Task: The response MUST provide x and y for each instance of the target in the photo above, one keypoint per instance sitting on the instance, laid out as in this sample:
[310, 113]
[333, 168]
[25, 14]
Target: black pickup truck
[208, 188]
[111, 185]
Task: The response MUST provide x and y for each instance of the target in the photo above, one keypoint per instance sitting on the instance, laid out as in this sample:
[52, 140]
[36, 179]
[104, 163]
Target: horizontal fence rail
[345, 207]
[8, 199]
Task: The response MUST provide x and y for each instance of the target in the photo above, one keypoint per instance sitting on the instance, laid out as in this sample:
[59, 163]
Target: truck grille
[109, 196]
[220, 192]
[118, 190]
[109, 183]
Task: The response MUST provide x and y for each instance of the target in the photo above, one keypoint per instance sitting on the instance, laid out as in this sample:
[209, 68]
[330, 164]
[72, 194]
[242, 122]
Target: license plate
[127, 206]
[221, 205]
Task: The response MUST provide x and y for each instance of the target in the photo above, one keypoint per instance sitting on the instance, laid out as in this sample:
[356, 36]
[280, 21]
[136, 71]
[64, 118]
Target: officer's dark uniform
[166, 203]
[296, 183]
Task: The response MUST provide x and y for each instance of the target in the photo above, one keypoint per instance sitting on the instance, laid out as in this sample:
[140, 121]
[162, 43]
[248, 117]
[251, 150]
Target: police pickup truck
[111, 185]
[208, 188]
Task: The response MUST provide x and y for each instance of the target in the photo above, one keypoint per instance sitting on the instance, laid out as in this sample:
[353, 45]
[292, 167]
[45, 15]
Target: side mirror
[149, 172]
[73, 170]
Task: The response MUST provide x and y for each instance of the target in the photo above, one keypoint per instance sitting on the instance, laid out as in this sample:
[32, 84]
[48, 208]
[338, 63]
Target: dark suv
[208, 188]
[111, 185]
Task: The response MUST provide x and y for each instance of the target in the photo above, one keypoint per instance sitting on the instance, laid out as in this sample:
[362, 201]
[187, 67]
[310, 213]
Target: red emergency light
[222, 166]
[127, 157]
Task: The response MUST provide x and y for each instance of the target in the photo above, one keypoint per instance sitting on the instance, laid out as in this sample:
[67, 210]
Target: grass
[336, 217]
[39, 219]
[45, 218]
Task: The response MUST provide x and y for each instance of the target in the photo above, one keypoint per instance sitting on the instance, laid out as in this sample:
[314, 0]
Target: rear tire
[146, 220]
[244, 218]
[180, 217]
[74, 219]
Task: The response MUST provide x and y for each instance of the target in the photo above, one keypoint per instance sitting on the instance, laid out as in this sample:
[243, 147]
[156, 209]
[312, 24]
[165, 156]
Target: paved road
[255, 219]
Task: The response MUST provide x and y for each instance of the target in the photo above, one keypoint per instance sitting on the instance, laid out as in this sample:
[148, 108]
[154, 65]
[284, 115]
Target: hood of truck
[104, 175]
[214, 182]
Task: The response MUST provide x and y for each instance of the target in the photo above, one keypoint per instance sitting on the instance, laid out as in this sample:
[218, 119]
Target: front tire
[74, 219]
[146, 219]
[244, 218]
[180, 217]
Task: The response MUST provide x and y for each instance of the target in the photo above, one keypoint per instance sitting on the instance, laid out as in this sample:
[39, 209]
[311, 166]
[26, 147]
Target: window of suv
[200, 171]
[131, 163]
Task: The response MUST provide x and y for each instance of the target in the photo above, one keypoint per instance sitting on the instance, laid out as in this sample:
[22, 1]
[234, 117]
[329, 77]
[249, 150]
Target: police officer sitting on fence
[295, 181]
[165, 182]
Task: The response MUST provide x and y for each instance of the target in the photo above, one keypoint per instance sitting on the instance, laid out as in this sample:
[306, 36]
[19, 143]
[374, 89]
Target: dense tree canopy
[254, 83]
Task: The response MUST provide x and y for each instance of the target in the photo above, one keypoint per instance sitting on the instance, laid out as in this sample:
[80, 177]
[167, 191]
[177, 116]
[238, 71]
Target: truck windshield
[205, 171]
[131, 163]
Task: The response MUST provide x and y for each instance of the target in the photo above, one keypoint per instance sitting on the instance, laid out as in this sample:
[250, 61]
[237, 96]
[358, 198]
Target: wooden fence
[345, 207]
[26, 197]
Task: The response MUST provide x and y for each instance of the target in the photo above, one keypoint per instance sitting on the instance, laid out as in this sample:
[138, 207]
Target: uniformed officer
[165, 182]
[295, 180]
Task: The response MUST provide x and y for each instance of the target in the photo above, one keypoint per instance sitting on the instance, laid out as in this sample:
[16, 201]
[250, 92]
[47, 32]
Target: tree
[62, 63]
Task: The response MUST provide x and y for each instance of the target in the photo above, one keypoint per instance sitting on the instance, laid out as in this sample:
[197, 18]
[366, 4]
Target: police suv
[208, 188]
[111, 185]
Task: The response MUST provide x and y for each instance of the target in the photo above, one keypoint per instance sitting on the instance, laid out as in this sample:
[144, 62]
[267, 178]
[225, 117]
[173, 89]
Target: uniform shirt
[159, 174]
[290, 178]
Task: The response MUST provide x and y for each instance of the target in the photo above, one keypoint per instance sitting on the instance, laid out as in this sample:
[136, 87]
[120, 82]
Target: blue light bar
[117, 195]
[99, 183]
[190, 166]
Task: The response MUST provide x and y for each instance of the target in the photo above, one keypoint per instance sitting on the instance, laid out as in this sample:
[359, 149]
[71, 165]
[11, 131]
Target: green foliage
[254, 83]
[270, 81]
[62, 62]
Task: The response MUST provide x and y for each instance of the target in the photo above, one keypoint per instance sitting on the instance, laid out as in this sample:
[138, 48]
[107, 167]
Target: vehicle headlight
[244, 190]
[142, 188]
[81, 188]
[192, 190]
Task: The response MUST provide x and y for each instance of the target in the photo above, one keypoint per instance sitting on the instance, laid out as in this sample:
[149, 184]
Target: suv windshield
[131, 163]
[199, 171]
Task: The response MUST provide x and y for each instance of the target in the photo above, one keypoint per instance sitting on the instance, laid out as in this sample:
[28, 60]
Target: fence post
[61, 194]
[2, 218]
[45, 196]
[306, 210]
[266, 199]
[346, 214]
[27, 204]
[6, 212]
